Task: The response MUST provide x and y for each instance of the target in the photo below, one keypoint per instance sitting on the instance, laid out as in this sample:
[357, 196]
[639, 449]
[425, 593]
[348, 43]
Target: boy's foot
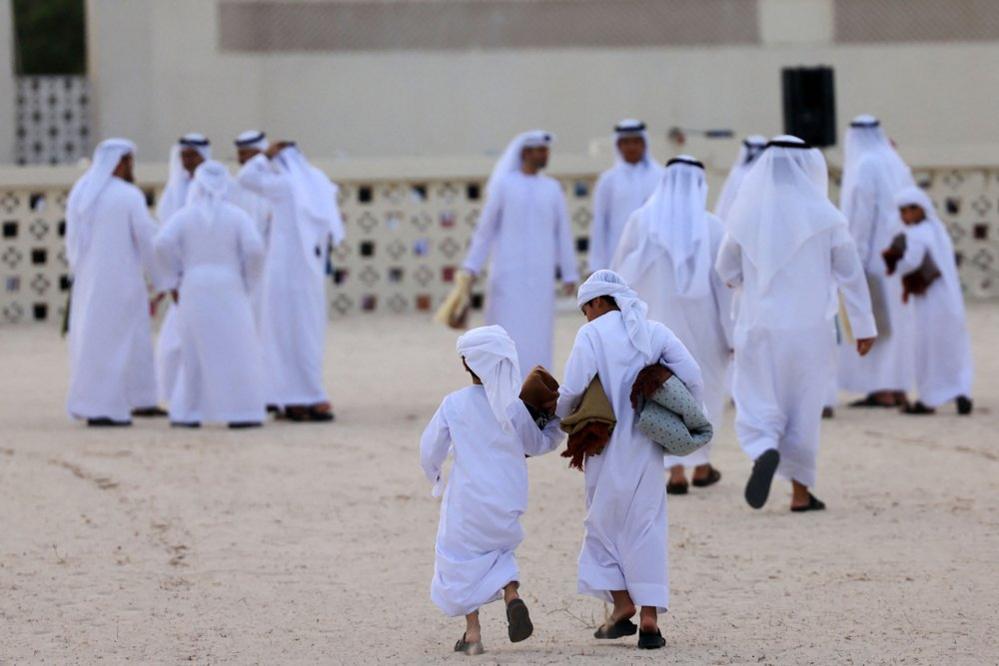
[828, 412]
[918, 408]
[964, 405]
[814, 504]
[712, 477]
[518, 621]
[618, 629]
[758, 486]
[470, 648]
[149, 412]
[105, 422]
[651, 640]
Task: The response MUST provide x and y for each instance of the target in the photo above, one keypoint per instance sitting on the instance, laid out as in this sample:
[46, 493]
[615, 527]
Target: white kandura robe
[625, 540]
[221, 378]
[525, 225]
[784, 345]
[703, 325]
[259, 211]
[486, 494]
[874, 222]
[168, 343]
[620, 191]
[943, 366]
[110, 334]
[293, 314]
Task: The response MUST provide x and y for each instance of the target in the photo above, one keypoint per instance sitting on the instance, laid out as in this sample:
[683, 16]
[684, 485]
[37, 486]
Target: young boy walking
[490, 432]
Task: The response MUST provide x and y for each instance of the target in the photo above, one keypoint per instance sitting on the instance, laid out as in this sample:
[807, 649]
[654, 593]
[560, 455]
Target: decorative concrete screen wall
[53, 119]
[406, 236]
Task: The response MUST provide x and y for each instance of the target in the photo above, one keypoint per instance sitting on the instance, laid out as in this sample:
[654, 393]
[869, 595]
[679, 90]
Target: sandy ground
[314, 543]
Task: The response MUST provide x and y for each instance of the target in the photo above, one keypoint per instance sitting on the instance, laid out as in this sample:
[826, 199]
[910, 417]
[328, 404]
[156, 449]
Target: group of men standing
[241, 263]
[761, 293]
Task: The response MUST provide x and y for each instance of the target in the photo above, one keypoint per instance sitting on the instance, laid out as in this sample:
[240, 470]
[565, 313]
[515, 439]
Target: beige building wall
[160, 68]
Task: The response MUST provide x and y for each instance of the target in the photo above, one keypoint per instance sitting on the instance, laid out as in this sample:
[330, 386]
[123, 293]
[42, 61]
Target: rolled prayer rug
[674, 420]
[590, 426]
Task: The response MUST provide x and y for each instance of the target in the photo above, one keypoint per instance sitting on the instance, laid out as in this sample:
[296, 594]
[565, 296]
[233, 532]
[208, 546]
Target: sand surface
[314, 543]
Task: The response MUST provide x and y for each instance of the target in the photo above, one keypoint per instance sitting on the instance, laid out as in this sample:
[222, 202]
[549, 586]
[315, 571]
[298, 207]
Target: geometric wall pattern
[407, 238]
[52, 118]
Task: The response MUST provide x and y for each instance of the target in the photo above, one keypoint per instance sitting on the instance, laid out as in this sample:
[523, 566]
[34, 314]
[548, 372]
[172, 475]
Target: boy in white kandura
[490, 431]
[624, 554]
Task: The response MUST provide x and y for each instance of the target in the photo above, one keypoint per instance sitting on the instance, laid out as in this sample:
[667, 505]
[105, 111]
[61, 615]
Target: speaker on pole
[810, 104]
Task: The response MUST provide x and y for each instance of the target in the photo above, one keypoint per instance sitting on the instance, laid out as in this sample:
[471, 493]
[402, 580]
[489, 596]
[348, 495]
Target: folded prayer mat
[674, 420]
[590, 426]
[539, 394]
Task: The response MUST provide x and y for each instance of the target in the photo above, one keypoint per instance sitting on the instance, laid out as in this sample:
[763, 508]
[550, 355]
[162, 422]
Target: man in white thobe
[109, 245]
[667, 254]
[185, 156]
[525, 227]
[788, 248]
[943, 365]
[621, 190]
[249, 144]
[306, 220]
[624, 554]
[751, 148]
[873, 173]
[219, 254]
[490, 432]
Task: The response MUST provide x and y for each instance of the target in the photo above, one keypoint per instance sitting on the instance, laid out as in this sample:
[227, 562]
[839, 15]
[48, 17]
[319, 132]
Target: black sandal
[676, 488]
[619, 629]
[519, 625]
[758, 486]
[149, 412]
[871, 401]
[648, 640]
[713, 477]
[468, 648]
[814, 504]
[964, 405]
[105, 422]
[918, 408]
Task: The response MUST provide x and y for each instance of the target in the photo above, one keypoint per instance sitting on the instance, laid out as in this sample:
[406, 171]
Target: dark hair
[475, 377]
[609, 300]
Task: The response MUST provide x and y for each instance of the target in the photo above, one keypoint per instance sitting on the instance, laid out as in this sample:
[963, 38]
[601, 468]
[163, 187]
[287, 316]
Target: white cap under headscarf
[915, 195]
[783, 202]
[630, 127]
[634, 311]
[866, 139]
[492, 355]
[511, 159]
[83, 196]
[174, 195]
[209, 189]
[751, 148]
[252, 139]
[674, 221]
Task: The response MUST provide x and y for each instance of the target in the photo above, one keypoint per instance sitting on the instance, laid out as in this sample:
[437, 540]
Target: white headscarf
[630, 127]
[634, 311]
[83, 196]
[209, 189]
[866, 140]
[751, 148]
[674, 221]
[783, 202]
[510, 160]
[315, 200]
[174, 195]
[492, 355]
[914, 195]
[252, 139]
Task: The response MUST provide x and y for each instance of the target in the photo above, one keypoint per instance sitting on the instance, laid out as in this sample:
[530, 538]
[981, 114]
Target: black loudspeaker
[810, 104]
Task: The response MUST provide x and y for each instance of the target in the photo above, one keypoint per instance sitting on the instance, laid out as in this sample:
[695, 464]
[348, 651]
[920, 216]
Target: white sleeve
[580, 370]
[563, 239]
[729, 262]
[720, 292]
[485, 232]
[630, 240]
[915, 252]
[144, 229]
[849, 275]
[536, 441]
[675, 356]
[258, 176]
[251, 248]
[862, 213]
[600, 254]
[435, 444]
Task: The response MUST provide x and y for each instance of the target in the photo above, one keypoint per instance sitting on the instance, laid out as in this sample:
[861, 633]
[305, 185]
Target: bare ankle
[649, 619]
